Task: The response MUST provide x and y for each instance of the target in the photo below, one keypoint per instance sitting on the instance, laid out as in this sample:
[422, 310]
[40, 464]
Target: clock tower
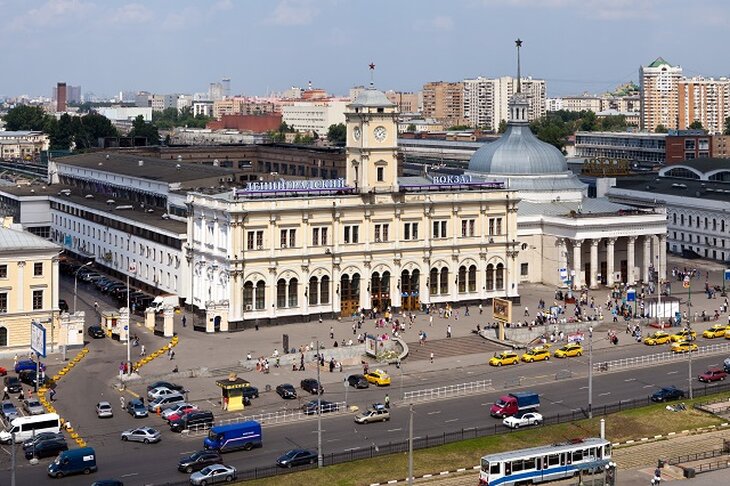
[372, 142]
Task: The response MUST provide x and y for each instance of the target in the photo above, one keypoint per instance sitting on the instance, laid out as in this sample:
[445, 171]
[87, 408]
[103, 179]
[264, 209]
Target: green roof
[658, 62]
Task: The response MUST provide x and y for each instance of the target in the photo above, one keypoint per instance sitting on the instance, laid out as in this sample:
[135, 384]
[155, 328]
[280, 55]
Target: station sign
[295, 185]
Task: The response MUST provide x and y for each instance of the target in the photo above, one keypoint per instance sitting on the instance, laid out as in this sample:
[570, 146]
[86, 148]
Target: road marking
[186, 453]
[648, 386]
[314, 431]
[434, 413]
[558, 402]
[629, 380]
[604, 394]
[485, 404]
[333, 440]
[672, 372]
[451, 420]
[394, 430]
[129, 475]
[583, 388]
[351, 449]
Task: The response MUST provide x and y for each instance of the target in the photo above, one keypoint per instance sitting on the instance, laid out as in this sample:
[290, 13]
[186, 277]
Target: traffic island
[156, 354]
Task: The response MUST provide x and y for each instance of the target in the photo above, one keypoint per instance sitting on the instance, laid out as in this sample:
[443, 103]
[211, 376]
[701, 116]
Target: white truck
[164, 300]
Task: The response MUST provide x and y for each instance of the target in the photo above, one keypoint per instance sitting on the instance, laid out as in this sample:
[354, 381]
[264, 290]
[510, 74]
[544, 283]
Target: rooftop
[19, 133]
[12, 239]
[655, 186]
[702, 164]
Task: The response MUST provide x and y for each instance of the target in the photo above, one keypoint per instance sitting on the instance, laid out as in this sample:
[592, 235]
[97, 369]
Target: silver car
[33, 407]
[104, 409]
[215, 473]
[379, 414]
[148, 435]
[161, 391]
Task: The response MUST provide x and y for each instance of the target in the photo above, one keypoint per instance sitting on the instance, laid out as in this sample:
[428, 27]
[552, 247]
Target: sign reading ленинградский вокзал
[295, 185]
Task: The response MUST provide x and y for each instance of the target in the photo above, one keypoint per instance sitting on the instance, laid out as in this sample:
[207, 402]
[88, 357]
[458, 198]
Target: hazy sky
[170, 46]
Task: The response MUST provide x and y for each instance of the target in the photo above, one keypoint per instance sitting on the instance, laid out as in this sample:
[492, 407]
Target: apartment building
[314, 115]
[407, 102]
[485, 100]
[659, 95]
[444, 101]
[706, 100]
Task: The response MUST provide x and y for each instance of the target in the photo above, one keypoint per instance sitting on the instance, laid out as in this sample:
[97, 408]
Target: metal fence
[375, 450]
[698, 456]
[448, 391]
[651, 359]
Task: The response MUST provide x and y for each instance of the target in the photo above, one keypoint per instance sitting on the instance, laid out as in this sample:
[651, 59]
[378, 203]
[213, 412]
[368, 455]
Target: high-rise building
[407, 102]
[226, 86]
[486, 99]
[444, 101]
[659, 95]
[61, 97]
[706, 100]
[73, 94]
[479, 102]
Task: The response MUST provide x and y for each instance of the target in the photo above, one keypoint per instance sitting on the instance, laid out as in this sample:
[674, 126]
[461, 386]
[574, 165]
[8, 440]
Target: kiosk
[232, 392]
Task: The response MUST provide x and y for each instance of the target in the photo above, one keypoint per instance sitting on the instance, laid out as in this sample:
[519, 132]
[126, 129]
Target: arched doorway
[349, 295]
[380, 291]
[409, 288]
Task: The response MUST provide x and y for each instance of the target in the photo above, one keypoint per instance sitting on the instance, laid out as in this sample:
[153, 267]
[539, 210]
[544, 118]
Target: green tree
[727, 126]
[612, 123]
[92, 127]
[552, 129]
[411, 127]
[696, 125]
[140, 128]
[660, 129]
[63, 134]
[26, 117]
[502, 126]
[458, 127]
[337, 134]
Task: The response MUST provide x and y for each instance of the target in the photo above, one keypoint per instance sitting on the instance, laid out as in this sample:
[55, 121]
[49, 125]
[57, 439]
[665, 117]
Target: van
[196, 420]
[162, 403]
[26, 427]
[242, 435]
[73, 461]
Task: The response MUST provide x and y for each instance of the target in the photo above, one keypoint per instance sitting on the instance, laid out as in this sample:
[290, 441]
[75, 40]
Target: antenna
[372, 74]
[518, 44]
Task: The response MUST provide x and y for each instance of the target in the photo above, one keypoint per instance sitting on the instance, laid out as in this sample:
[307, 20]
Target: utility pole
[410, 446]
[590, 372]
[12, 459]
[319, 413]
[687, 282]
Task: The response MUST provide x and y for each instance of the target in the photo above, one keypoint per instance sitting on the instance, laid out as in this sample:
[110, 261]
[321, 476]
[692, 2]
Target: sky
[180, 46]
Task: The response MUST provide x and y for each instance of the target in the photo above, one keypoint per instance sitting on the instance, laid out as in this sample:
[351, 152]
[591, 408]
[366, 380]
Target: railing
[619, 364]
[711, 466]
[698, 456]
[448, 391]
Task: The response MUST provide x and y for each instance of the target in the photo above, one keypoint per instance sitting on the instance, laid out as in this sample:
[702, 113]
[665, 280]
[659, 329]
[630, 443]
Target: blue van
[73, 461]
[243, 435]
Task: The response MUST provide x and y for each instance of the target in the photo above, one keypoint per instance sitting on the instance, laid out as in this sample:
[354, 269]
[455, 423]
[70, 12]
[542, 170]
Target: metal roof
[371, 97]
[12, 239]
[588, 206]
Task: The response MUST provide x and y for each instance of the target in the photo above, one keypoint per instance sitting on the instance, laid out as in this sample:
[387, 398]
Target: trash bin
[689, 472]
[660, 463]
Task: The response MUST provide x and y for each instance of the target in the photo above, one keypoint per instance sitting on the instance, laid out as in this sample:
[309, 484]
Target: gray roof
[597, 206]
[19, 133]
[371, 97]
[702, 164]
[518, 152]
[12, 239]
[654, 186]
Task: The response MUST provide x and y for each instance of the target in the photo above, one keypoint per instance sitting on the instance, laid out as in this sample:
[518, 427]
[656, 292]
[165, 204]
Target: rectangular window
[523, 269]
[381, 174]
[352, 234]
[499, 226]
[3, 303]
[467, 227]
[381, 232]
[410, 231]
[37, 299]
[324, 236]
[250, 240]
[282, 238]
[260, 239]
[491, 226]
[292, 238]
[38, 269]
[3, 271]
[315, 236]
[439, 229]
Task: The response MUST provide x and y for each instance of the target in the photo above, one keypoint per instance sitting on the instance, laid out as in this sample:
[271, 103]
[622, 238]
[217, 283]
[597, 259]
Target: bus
[545, 463]
[26, 427]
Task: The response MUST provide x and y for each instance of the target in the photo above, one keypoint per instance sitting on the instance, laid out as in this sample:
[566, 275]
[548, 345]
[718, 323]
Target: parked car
[136, 408]
[523, 419]
[569, 350]
[296, 457]
[310, 408]
[378, 377]
[312, 386]
[162, 403]
[166, 384]
[376, 414]
[195, 420]
[358, 381]
[3, 371]
[148, 435]
[667, 393]
[33, 407]
[712, 374]
[683, 347]
[683, 335]
[539, 353]
[161, 392]
[658, 337]
[198, 460]
[28, 364]
[108, 482]
[104, 409]
[726, 365]
[250, 392]
[40, 437]
[46, 448]
[8, 410]
[215, 473]
[178, 408]
[286, 391]
[13, 384]
[29, 377]
[504, 358]
[96, 332]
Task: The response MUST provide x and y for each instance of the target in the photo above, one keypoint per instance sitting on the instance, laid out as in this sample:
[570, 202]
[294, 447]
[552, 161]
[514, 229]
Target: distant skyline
[180, 46]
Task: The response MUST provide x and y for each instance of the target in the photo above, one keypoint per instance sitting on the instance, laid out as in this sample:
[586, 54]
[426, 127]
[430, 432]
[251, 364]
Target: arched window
[248, 295]
[500, 276]
[444, 282]
[293, 292]
[313, 291]
[462, 279]
[473, 278]
[281, 293]
[490, 277]
[674, 218]
[324, 292]
[681, 219]
[3, 336]
[434, 281]
[260, 295]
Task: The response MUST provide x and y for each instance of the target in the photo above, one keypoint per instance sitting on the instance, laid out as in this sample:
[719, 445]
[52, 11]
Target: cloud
[132, 13]
[440, 23]
[293, 12]
[223, 5]
[51, 12]
[181, 19]
[595, 9]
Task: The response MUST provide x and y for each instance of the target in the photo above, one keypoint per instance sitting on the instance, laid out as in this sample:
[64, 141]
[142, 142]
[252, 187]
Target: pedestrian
[142, 351]
[387, 401]
[172, 354]
[481, 309]
[6, 396]
[448, 331]
[320, 319]
[332, 332]
[52, 395]
[15, 360]
[96, 306]
[430, 321]
[121, 401]
[466, 311]
[184, 320]
[21, 397]
[431, 357]
[121, 369]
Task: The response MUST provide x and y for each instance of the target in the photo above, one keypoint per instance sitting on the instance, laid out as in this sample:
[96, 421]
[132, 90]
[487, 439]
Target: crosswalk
[443, 348]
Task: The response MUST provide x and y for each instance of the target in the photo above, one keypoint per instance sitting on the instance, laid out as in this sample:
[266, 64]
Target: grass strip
[620, 426]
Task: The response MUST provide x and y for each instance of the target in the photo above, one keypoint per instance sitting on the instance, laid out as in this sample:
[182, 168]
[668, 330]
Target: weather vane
[518, 44]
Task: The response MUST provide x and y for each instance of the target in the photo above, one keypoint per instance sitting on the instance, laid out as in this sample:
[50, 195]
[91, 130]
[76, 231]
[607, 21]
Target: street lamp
[319, 413]
[76, 281]
[590, 372]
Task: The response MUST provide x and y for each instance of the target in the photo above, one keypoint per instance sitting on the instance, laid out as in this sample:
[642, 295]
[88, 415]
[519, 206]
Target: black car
[62, 305]
[250, 392]
[108, 482]
[357, 381]
[667, 393]
[13, 384]
[312, 386]
[46, 448]
[198, 460]
[296, 457]
[286, 391]
[166, 384]
[29, 378]
[310, 408]
[96, 332]
[41, 437]
[196, 420]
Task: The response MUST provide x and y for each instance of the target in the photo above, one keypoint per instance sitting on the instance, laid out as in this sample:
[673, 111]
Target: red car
[177, 415]
[713, 374]
[3, 371]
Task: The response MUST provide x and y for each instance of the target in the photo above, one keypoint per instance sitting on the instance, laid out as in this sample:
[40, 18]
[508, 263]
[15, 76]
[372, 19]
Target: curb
[427, 476]
[160, 352]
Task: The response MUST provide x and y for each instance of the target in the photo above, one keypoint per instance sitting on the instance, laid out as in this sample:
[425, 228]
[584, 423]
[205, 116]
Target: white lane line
[672, 372]
[333, 440]
[451, 420]
[648, 386]
[485, 404]
[629, 380]
[583, 388]
[351, 449]
[314, 431]
[558, 402]
[604, 394]
[129, 475]
[394, 430]
[434, 413]
[186, 453]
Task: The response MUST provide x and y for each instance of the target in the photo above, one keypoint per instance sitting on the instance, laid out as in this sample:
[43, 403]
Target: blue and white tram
[546, 463]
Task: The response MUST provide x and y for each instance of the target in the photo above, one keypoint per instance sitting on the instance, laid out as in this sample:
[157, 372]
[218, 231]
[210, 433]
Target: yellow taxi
[716, 331]
[504, 358]
[659, 337]
[539, 353]
[683, 335]
[378, 377]
[683, 347]
[573, 349]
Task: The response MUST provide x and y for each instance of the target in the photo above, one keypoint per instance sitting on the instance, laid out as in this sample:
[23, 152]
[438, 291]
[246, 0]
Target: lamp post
[590, 372]
[319, 413]
[76, 281]
[688, 283]
[410, 446]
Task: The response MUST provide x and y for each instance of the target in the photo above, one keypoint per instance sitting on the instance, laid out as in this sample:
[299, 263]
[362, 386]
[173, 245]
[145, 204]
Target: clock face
[380, 133]
[356, 133]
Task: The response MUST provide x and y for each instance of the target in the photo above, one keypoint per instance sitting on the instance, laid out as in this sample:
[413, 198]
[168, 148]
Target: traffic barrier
[652, 359]
[448, 391]
[155, 354]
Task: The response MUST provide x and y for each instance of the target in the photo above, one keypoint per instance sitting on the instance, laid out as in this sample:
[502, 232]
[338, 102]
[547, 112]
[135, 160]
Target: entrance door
[380, 291]
[409, 289]
[624, 270]
[604, 273]
[350, 295]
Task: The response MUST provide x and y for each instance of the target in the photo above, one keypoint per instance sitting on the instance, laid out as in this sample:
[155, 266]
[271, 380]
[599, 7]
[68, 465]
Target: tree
[26, 117]
[696, 125]
[337, 134]
[727, 126]
[458, 127]
[140, 128]
[502, 126]
[92, 127]
[660, 129]
[411, 127]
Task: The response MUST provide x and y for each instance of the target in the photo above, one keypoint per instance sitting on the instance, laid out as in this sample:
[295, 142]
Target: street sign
[564, 274]
[38, 338]
[727, 274]
[502, 309]
[685, 282]
[631, 295]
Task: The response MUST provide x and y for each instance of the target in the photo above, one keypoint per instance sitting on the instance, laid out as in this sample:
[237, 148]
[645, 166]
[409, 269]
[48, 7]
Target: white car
[177, 408]
[148, 435]
[104, 410]
[215, 473]
[524, 419]
[161, 391]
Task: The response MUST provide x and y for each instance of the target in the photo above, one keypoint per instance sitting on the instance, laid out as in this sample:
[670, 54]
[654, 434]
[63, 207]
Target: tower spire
[518, 44]
[372, 74]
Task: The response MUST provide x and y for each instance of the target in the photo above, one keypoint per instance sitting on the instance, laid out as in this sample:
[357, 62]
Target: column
[594, 263]
[335, 290]
[662, 257]
[562, 257]
[647, 259]
[395, 289]
[424, 289]
[365, 301]
[235, 295]
[630, 259]
[610, 264]
[577, 249]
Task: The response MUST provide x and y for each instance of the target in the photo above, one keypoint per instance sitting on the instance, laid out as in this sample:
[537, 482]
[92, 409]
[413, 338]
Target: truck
[231, 437]
[164, 300]
[512, 403]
